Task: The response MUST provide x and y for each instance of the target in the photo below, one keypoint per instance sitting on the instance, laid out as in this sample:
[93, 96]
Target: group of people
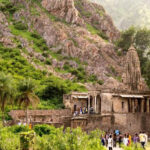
[83, 110]
[112, 140]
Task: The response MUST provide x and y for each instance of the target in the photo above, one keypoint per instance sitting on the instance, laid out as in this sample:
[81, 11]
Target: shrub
[27, 140]
[8, 6]
[35, 35]
[20, 26]
[92, 78]
[9, 140]
[43, 129]
[18, 129]
[74, 139]
[100, 82]
[48, 62]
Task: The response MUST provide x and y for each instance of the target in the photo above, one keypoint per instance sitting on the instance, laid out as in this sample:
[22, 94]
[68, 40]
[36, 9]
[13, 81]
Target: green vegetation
[140, 38]
[27, 96]
[94, 31]
[49, 138]
[133, 147]
[6, 91]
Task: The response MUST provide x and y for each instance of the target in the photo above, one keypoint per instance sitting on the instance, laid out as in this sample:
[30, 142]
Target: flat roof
[78, 96]
[131, 96]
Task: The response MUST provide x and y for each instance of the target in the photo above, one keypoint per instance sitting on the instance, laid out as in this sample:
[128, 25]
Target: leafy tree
[140, 38]
[7, 90]
[27, 96]
[126, 39]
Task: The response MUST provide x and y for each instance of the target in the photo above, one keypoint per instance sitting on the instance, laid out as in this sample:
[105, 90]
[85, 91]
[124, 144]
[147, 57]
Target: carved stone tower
[132, 76]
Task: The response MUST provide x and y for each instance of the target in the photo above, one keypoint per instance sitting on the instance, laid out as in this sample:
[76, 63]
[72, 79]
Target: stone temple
[123, 105]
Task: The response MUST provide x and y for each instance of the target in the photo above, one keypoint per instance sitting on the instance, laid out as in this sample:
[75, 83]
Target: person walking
[142, 139]
[110, 143]
[129, 139]
[136, 139]
[106, 138]
[125, 140]
[103, 140]
[114, 139]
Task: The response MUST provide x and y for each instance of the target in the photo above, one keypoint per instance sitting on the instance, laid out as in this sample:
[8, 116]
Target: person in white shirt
[110, 143]
[125, 140]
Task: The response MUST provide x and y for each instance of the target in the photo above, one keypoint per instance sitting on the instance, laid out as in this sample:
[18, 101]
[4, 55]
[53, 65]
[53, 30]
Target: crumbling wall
[61, 117]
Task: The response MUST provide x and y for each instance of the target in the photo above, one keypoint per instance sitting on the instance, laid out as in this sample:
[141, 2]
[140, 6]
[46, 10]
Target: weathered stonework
[132, 77]
[116, 105]
[63, 9]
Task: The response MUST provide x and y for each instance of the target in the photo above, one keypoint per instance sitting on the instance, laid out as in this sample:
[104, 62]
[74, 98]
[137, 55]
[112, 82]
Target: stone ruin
[132, 76]
[116, 105]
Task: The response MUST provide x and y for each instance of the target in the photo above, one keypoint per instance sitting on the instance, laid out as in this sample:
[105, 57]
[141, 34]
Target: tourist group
[115, 139]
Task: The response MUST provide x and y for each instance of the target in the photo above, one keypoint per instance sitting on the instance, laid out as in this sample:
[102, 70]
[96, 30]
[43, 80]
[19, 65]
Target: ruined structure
[117, 105]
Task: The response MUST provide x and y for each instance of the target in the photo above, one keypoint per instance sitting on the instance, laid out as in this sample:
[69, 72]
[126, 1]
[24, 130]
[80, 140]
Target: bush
[100, 82]
[8, 6]
[43, 129]
[27, 140]
[20, 26]
[48, 62]
[92, 78]
[9, 140]
[18, 129]
[35, 35]
[70, 139]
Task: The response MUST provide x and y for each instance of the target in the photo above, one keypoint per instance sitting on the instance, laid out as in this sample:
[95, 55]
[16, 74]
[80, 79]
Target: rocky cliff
[71, 34]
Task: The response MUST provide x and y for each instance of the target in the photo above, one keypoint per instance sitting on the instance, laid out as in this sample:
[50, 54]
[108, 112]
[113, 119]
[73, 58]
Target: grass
[95, 31]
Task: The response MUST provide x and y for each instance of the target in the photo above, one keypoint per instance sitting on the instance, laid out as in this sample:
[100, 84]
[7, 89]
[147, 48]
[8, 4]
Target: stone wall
[106, 102]
[126, 122]
[132, 122]
[120, 105]
[55, 117]
[92, 122]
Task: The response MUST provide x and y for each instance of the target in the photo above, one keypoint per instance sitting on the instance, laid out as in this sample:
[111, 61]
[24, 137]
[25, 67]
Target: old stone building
[117, 105]
[123, 105]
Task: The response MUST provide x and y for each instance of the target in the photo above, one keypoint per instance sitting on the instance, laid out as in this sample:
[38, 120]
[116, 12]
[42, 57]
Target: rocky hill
[126, 13]
[69, 39]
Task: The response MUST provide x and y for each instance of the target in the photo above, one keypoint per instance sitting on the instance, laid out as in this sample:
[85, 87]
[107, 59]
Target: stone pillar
[130, 104]
[88, 104]
[95, 103]
[136, 105]
[142, 105]
[133, 106]
[147, 105]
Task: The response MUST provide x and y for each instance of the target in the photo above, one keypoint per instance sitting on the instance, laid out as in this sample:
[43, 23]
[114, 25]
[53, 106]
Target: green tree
[140, 37]
[27, 96]
[126, 39]
[7, 90]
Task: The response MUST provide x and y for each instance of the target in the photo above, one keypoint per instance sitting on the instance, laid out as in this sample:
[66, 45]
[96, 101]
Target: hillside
[62, 45]
[126, 13]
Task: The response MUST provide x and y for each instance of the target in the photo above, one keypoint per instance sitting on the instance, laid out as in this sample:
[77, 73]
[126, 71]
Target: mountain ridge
[127, 13]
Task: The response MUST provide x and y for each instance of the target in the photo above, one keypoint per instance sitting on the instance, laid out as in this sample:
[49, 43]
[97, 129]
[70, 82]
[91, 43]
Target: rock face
[74, 29]
[95, 15]
[63, 9]
[132, 76]
[5, 35]
[77, 41]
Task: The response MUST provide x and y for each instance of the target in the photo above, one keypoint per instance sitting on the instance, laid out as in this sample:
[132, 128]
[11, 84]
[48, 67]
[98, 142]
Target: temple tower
[132, 76]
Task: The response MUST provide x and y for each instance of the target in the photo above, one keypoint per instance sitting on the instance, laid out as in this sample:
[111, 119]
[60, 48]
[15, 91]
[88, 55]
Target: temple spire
[132, 69]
